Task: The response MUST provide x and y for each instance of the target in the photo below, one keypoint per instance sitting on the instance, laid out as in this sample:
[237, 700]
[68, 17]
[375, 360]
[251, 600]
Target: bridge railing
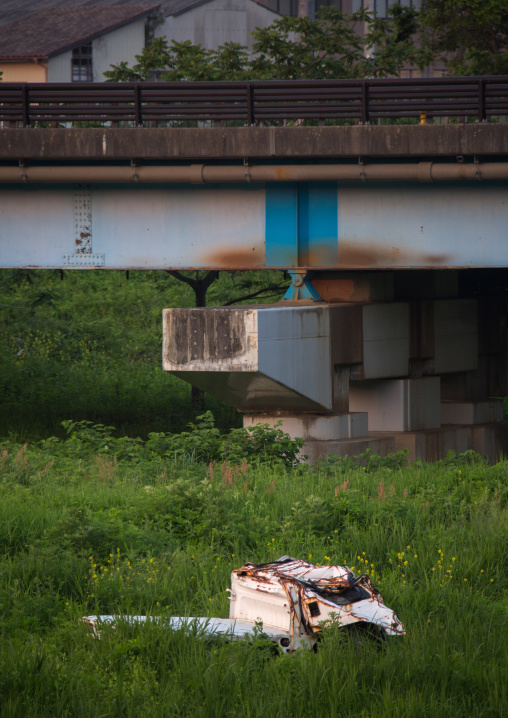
[251, 103]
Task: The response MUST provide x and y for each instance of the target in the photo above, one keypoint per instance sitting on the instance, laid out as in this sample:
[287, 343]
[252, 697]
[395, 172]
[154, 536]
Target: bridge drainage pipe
[200, 174]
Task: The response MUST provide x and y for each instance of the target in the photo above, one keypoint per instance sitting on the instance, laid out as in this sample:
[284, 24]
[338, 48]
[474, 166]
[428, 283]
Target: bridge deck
[289, 143]
[136, 198]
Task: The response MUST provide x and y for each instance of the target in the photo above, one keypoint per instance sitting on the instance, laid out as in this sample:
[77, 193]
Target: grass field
[92, 524]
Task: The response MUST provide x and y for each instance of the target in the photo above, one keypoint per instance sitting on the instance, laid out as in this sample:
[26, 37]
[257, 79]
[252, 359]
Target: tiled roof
[16, 9]
[53, 30]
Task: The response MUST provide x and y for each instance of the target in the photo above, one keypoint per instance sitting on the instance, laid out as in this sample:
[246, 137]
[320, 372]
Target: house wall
[23, 72]
[59, 67]
[108, 49]
[216, 22]
[121, 44]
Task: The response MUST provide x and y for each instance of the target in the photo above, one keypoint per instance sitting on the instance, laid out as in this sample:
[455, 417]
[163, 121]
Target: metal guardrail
[251, 103]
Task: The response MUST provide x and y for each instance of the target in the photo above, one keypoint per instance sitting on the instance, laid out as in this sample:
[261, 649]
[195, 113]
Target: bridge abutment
[387, 361]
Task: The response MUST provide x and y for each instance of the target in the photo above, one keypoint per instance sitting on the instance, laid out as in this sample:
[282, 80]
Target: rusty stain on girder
[358, 254]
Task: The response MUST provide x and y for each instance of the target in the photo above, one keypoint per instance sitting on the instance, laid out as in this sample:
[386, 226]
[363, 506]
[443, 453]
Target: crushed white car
[290, 601]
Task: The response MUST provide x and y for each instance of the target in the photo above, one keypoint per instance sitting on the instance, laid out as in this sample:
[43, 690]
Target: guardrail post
[250, 104]
[25, 106]
[482, 116]
[365, 103]
[138, 115]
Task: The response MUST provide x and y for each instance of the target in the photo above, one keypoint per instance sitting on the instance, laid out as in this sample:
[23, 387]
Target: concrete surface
[398, 404]
[486, 139]
[469, 412]
[315, 428]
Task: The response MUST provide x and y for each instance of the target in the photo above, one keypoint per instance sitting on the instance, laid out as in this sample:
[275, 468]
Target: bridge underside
[407, 343]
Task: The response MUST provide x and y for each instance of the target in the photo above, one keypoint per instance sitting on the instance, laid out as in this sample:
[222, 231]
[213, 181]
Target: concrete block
[294, 350]
[465, 385]
[433, 445]
[319, 450]
[475, 385]
[455, 335]
[314, 427]
[398, 404]
[340, 389]
[426, 284]
[422, 330]
[493, 324]
[491, 440]
[444, 335]
[264, 358]
[470, 412]
[385, 341]
[346, 333]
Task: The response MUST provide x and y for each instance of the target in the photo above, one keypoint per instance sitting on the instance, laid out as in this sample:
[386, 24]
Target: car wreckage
[289, 601]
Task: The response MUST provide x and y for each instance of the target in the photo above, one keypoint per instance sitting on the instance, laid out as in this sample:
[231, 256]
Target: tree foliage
[469, 36]
[331, 47]
[291, 48]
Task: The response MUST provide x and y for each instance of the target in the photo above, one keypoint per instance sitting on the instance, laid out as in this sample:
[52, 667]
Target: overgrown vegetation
[93, 524]
[89, 347]
[469, 37]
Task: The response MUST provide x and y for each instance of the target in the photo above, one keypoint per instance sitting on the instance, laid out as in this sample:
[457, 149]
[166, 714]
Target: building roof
[53, 30]
[11, 10]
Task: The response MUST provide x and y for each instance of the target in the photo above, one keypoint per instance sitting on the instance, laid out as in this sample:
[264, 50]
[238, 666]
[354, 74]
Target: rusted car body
[290, 601]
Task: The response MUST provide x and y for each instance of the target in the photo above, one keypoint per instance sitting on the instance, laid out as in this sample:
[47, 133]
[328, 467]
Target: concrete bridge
[393, 334]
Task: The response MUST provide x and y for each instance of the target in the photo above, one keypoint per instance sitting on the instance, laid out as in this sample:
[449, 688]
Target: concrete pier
[406, 363]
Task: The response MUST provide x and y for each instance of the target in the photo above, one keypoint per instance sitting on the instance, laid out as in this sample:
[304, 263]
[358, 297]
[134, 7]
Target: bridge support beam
[392, 361]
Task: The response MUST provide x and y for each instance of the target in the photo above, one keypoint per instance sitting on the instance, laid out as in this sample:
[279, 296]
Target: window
[337, 4]
[290, 7]
[380, 7]
[82, 63]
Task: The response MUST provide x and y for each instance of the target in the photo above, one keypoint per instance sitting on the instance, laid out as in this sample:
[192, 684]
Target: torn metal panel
[289, 601]
[304, 597]
[232, 629]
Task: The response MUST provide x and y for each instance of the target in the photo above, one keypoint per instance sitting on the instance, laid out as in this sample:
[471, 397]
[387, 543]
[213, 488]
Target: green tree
[291, 48]
[183, 61]
[330, 47]
[469, 36]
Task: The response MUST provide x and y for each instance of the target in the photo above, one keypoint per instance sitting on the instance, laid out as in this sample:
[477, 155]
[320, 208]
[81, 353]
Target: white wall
[121, 44]
[216, 22]
[59, 68]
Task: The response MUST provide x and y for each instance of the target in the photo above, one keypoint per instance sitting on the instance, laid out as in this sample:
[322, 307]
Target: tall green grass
[87, 530]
